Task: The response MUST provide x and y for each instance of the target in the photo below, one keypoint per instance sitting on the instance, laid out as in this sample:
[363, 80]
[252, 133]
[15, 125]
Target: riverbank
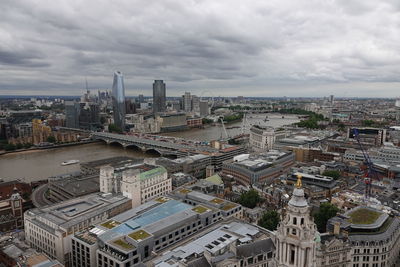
[35, 148]
[36, 165]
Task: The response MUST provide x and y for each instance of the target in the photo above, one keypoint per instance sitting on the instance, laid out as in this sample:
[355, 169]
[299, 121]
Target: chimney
[336, 228]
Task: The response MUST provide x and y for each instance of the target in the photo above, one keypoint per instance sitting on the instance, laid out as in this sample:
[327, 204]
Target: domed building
[296, 234]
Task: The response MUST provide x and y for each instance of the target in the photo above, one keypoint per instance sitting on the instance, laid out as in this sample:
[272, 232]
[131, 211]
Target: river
[40, 164]
[216, 132]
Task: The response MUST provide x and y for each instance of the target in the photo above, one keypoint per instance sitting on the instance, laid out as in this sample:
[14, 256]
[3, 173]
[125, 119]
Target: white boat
[69, 162]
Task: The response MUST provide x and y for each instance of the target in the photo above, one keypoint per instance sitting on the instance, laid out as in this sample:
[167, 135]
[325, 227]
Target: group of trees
[11, 147]
[312, 121]
[233, 117]
[249, 199]
[270, 220]
[326, 211]
[332, 173]
[112, 128]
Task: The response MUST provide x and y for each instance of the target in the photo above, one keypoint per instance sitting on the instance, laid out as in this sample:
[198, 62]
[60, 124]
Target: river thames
[40, 164]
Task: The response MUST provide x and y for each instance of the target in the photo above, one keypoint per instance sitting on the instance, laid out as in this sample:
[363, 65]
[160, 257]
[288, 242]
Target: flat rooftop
[150, 217]
[366, 218]
[71, 212]
[77, 185]
[213, 241]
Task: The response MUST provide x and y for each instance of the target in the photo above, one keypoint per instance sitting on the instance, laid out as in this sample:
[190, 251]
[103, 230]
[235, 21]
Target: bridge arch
[116, 143]
[134, 147]
[153, 151]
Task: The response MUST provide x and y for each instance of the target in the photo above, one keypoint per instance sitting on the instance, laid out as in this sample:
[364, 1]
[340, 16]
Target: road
[38, 196]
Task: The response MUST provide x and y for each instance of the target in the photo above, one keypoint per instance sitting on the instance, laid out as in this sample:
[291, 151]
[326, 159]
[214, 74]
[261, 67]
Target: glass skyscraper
[118, 97]
[159, 96]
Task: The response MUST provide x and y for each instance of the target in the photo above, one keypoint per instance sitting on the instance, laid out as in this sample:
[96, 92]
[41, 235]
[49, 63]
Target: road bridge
[147, 144]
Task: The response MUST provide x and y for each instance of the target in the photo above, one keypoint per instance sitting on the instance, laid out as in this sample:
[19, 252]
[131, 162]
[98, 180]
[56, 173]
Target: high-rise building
[141, 99]
[72, 114]
[195, 104]
[159, 96]
[187, 102]
[118, 96]
[204, 110]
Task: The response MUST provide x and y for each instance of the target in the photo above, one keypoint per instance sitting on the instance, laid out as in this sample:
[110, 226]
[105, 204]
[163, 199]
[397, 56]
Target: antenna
[87, 87]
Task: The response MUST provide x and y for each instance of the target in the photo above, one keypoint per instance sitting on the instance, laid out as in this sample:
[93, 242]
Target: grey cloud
[265, 48]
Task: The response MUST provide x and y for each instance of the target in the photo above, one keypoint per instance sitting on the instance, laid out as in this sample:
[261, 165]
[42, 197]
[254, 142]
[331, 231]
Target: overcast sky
[212, 47]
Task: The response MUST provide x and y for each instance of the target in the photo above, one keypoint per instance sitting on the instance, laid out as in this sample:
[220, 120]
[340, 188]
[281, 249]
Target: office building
[72, 109]
[363, 236]
[187, 102]
[204, 109]
[372, 136]
[230, 243]
[261, 138]
[196, 104]
[140, 182]
[134, 236]
[258, 169]
[159, 96]
[118, 97]
[49, 229]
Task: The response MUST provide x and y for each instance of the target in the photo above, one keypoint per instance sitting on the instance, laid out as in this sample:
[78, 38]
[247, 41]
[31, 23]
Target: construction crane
[371, 172]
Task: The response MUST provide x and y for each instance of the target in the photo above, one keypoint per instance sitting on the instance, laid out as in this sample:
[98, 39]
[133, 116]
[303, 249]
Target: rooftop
[71, 212]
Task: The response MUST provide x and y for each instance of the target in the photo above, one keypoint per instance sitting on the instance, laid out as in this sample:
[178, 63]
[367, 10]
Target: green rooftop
[185, 191]
[229, 206]
[162, 199]
[139, 235]
[151, 173]
[363, 216]
[200, 209]
[110, 224]
[123, 244]
[215, 179]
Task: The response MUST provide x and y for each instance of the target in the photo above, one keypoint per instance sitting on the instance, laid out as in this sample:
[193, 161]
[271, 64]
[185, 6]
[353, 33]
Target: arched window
[294, 220]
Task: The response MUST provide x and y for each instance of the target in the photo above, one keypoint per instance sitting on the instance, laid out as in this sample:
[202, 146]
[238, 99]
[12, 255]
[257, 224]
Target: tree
[270, 220]
[112, 128]
[326, 211]
[9, 147]
[249, 199]
[19, 146]
[51, 139]
[332, 173]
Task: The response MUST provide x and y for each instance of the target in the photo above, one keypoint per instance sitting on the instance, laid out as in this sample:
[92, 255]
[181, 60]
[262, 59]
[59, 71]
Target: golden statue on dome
[299, 184]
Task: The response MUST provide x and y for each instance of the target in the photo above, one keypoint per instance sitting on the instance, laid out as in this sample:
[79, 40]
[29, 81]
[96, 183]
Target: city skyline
[265, 49]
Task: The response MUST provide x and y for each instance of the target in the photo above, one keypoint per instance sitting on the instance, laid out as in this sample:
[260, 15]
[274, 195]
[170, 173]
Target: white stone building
[49, 229]
[140, 182]
[261, 138]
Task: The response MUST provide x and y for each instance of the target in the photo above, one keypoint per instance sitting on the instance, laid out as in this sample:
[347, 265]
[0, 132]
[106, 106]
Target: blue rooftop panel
[165, 210]
[154, 215]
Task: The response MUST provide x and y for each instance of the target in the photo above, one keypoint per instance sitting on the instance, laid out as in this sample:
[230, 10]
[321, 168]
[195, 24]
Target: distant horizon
[205, 96]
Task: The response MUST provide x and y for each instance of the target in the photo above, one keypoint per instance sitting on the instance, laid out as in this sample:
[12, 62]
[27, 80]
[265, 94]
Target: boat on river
[70, 162]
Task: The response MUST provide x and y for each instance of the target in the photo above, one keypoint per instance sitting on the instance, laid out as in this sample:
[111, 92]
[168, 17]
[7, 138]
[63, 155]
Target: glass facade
[118, 97]
[159, 96]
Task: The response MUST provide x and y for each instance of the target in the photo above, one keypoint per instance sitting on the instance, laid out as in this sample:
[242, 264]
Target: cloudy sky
[211, 47]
